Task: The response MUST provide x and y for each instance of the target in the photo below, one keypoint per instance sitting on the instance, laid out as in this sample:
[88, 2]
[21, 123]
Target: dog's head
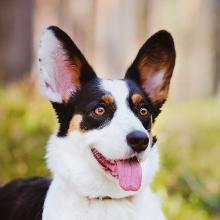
[104, 145]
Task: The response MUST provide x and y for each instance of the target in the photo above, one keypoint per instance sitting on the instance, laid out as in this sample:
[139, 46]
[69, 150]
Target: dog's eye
[100, 110]
[143, 111]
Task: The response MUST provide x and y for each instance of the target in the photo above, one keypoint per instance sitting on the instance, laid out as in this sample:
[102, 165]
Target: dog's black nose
[137, 140]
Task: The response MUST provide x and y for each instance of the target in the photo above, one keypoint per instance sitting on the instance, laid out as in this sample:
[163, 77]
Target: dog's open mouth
[127, 171]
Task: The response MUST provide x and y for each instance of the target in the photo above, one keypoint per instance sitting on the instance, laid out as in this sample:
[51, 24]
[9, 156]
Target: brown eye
[143, 111]
[100, 111]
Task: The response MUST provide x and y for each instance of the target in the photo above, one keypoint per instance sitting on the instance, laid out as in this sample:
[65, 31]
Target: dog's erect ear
[153, 66]
[62, 65]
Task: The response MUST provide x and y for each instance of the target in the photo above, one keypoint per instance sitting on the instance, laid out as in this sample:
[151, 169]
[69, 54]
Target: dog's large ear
[62, 65]
[153, 66]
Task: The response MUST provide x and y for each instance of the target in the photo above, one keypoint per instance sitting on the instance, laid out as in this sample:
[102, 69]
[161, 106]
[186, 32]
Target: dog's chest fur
[60, 204]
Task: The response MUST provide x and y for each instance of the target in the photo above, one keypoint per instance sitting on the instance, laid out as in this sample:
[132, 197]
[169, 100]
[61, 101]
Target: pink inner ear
[63, 77]
[152, 82]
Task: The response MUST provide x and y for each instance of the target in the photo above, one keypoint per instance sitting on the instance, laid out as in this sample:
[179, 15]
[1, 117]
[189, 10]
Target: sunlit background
[110, 33]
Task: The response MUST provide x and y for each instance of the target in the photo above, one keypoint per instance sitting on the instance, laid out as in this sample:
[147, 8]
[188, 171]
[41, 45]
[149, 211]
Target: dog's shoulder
[23, 199]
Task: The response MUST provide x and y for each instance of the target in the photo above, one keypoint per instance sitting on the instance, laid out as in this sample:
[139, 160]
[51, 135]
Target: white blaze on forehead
[118, 90]
[123, 118]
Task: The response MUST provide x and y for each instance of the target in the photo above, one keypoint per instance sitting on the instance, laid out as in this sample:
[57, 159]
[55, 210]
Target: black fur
[64, 114]
[154, 141]
[87, 100]
[135, 89]
[83, 103]
[23, 199]
[160, 51]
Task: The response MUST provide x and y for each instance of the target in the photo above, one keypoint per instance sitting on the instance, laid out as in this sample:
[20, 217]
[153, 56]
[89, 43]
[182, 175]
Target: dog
[103, 156]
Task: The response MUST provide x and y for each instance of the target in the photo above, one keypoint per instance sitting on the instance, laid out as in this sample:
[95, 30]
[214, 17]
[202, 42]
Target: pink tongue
[130, 174]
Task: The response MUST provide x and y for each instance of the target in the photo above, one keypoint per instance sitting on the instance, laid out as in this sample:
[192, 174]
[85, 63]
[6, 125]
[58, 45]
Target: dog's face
[104, 146]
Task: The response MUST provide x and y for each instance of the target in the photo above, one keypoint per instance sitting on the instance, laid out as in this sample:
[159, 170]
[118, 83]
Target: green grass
[26, 122]
[189, 178]
[189, 140]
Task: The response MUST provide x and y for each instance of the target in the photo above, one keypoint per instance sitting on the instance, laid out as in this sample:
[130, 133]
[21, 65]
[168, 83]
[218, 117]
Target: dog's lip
[108, 164]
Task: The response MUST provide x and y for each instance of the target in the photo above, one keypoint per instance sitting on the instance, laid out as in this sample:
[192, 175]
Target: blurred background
[110, 33]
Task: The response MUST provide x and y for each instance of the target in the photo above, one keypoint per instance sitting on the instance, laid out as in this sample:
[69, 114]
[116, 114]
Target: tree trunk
[15, 39]
[217, 46]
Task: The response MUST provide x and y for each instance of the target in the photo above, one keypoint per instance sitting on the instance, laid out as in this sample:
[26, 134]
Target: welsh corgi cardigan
[103, 155]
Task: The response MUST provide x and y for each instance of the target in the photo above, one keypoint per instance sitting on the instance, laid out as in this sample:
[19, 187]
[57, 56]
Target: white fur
[78, 179]
[63, 205]
[56, 75]
[48, 44]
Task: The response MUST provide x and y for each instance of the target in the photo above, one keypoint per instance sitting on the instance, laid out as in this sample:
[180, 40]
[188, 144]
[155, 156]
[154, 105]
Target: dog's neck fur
[64, 202]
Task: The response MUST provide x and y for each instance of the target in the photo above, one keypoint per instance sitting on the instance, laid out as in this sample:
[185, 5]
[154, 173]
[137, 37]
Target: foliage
[189, 178]
[26, 122]
[188, 133]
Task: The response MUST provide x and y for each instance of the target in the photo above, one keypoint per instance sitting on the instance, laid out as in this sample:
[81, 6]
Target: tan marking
[66, 98]
[75, 123]
[136, 99]
[74, 67]
[108, 99]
